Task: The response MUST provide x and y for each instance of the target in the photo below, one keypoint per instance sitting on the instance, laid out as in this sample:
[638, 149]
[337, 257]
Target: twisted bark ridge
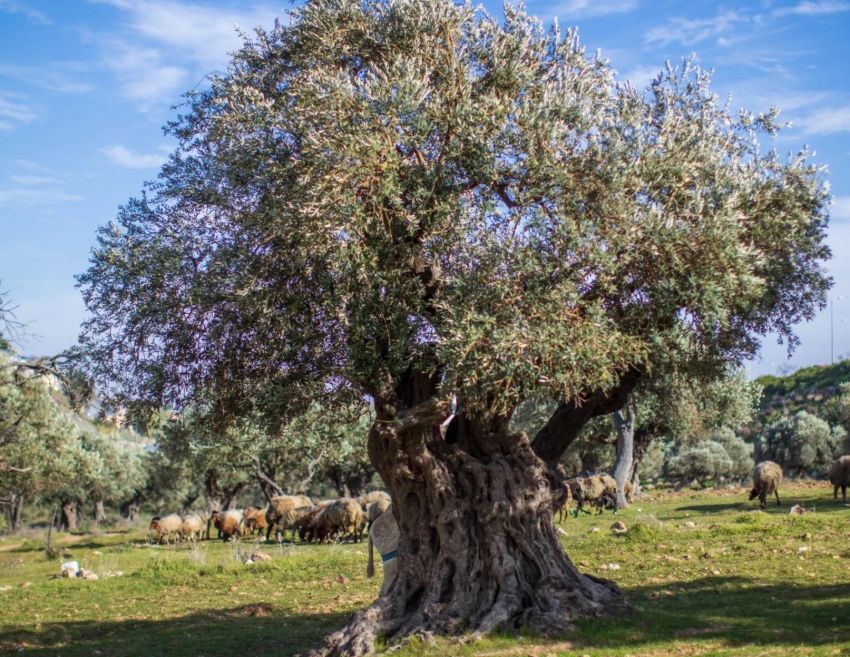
[478, 550]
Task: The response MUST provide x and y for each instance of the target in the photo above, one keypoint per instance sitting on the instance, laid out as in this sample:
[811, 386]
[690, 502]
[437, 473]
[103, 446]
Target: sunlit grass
[705, 573]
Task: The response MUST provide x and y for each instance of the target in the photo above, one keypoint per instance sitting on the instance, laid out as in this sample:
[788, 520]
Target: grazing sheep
[375, 509]
[228, 523]
[192, 528]
[839, 477]
[564, 510]
[374, 496]
[280, 516]
[767, 477]
[593, 491]
[254, 520]
[166, 527]
[383, 535]
[342, 518]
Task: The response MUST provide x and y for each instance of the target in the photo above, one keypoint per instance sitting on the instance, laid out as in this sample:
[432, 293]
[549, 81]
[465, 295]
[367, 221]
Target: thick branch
[570, 416]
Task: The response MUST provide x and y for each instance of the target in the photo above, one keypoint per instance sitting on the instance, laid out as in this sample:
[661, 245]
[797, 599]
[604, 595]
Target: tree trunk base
[478, 550]
[552, 614]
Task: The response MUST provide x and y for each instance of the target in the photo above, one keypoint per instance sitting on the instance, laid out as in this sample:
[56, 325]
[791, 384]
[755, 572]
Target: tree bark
[69, 516]
[99, 513]
[624, 422]
[16, 512]
[643, 439]
[478, 549]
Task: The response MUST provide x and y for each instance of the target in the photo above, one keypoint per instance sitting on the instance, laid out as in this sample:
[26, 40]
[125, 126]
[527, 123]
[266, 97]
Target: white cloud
[840, 208]
[33, 180]
[589, 8]
[161, 32]
[14, 111]
[813, 9]
[124, 157]
[826, 121]
[58, 78]
[34, 195]
[33, 15]
[687, 31]
[641, 76]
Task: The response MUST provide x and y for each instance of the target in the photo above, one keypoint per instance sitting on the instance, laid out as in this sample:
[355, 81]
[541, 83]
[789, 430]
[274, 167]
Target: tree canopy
[385, 184]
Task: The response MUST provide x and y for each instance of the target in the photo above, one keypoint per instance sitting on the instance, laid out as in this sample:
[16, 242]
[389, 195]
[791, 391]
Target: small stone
[233, 589]
[87, 574]
[796, 510]
[613, 566]
[261, 556]
[69, 572]
[690, 524]
[619, 527]
[807, 536]
[24, 585]
[802, 549]
[561, 531]
[593, 530]
[715, 572]
[5, 587]
[98, 552]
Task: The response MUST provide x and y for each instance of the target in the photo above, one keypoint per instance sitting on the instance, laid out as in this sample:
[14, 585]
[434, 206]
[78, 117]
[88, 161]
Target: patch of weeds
[167, 571]
[642, 532]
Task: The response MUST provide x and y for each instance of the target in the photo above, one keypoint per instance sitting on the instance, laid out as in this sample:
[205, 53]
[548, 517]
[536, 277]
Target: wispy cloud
[161, 32]
[34, 180]
[144, 75]
[840, 208]
[14, 111]
[813, 8]
[826, 121]
[56, 76]
[36, 195]
[123, 156]
[640, 76]
[32, 15]
[570, 9]
[689, 31]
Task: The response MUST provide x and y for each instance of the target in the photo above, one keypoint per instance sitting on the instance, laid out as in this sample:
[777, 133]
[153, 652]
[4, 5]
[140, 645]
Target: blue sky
[86, 86]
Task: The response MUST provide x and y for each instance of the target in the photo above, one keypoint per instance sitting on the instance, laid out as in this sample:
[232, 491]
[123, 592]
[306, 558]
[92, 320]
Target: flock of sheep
[345, 518]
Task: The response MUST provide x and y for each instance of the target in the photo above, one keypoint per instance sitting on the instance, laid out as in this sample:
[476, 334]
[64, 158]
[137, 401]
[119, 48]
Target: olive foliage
[380, 185]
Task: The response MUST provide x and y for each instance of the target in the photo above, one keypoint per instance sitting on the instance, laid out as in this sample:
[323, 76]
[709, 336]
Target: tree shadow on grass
[735, 610]
[820, 506]
[254, 630]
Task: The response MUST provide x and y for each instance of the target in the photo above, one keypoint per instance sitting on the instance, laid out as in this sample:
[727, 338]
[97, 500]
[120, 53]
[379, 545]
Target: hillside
[806, 389]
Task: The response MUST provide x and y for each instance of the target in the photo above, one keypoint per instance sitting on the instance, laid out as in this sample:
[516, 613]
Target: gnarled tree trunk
[69, 515]
[478, 549]
[99, 513]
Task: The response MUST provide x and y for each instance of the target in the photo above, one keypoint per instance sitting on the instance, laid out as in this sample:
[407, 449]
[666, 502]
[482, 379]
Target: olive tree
[802, 443]
[410, 201]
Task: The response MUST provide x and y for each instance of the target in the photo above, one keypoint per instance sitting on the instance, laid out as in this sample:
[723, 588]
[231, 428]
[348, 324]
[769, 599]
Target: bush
[801, 444]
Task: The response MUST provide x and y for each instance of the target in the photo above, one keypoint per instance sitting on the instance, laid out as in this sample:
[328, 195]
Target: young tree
[410, 201]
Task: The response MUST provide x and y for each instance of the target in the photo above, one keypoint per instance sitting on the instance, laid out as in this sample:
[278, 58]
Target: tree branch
[570, 416]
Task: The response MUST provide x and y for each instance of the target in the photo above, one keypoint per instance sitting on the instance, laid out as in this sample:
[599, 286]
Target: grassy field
[705, 573]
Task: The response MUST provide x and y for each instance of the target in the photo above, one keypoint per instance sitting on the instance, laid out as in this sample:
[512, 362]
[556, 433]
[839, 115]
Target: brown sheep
[280, 516]
[374, 496]
[192, 528]
[254, 520]
[767, 477]
[564, 509]
[228, 523]
[166, 527]
[839, 477]
[592, 491]
[342, 518]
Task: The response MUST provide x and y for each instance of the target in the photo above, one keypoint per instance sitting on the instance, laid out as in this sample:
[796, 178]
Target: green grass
[734, 583]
